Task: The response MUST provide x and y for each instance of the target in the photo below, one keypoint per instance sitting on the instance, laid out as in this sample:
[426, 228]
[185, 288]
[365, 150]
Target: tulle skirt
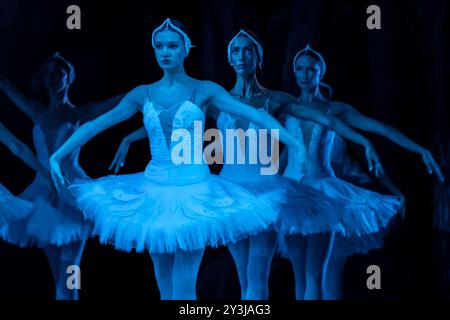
[12, 208]
[53, 220]
[302, 209]
[365, 215]
[166, 210]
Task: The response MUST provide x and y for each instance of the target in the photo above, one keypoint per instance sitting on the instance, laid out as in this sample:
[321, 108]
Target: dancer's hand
[431, 164]
[119, 158]
[373, 160]
[59, 180]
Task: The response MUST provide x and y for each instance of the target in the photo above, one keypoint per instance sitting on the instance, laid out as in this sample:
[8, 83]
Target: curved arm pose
[309, 68]
[21, 151]
[363, 226]
[63, 235]
[14, 208]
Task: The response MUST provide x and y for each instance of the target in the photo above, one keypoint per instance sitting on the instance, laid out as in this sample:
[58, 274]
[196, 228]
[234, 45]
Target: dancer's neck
[59, 100]
[308, 95]
[174, 76]
[246, 86]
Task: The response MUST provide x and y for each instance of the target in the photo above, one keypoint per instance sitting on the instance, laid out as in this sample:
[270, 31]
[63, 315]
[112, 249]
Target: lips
[166, 61]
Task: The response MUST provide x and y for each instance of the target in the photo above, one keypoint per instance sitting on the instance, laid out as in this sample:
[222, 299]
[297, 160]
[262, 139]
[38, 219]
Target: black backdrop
[397, 74]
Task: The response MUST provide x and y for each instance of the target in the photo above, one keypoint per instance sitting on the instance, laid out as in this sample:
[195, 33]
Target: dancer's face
[169, 49]
[56, 78]
[244, 57]
[307, 72]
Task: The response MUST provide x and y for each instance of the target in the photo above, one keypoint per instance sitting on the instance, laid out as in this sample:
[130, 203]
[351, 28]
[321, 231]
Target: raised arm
[93, 110]
[119, 158]
[20, 150]
[126, 108]
[357, 120]
[30, 107]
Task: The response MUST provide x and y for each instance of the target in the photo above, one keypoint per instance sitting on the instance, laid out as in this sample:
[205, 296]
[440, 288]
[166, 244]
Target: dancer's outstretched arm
[287, 104]
[119, 158]
[92, 110]
[356, 119]
[299, 111]
[126, 109]
[20, 150]
[29, 106]
[220, 99]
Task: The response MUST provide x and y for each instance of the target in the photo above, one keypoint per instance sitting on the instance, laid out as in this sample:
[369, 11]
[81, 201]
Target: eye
[234, 51]
[158, 46]
[248, 51]
[173, 45]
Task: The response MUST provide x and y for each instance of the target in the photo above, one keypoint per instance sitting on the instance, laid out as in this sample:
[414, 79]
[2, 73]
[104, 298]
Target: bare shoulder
[282, 98]
[208, 85]
[210, 90]
[139, 92]
[338, 108]
[281, 102]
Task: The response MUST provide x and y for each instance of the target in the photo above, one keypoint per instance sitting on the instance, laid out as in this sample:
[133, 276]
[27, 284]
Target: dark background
[397, 75]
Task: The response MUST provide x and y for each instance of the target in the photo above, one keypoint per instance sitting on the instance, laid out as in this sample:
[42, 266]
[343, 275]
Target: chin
[245, 73]
[305, 86]
[168, 67]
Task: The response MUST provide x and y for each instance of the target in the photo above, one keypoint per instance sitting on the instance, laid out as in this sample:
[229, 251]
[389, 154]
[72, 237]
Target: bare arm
[30, 107]
[355, 119]
[127, 108]
[20, 150]
[119, 158]
[299, 111]
[93, 110]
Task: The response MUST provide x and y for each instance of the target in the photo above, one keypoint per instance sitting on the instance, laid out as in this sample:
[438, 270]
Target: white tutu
[302, 209]
[364, 215]
[172, 206]
[54, 219]
[12, 208]
[132, 211]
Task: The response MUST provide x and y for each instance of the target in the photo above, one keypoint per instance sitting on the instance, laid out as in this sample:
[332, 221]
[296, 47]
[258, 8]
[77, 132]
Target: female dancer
[365, 213]
[346, 169]
[61, 233]
[253, 255]
[13, 208]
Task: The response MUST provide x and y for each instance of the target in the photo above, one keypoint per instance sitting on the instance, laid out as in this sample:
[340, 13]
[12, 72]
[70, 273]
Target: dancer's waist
[167, 172]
